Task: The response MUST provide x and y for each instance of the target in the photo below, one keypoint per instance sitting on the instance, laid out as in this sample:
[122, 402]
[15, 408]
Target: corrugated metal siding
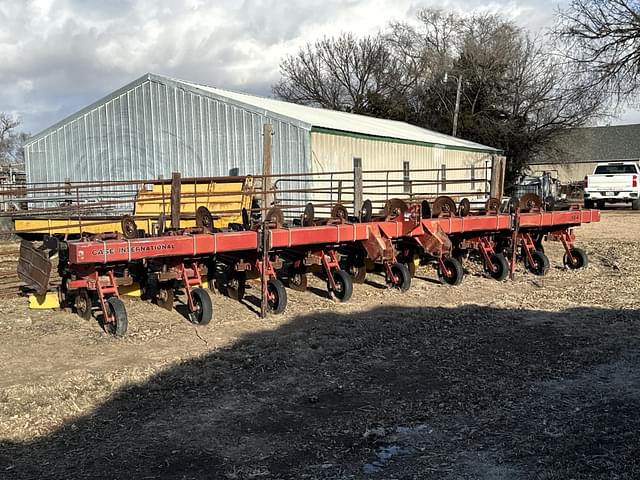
[336, 152]
[155, 129]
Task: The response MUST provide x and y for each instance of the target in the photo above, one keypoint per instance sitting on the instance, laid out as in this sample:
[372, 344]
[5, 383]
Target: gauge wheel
[540, 264]
[578, 259]
[203, 312]
[119, 324]
[499, 267]
[344, 285]
[276, 296]
[454, 271]
[402, 274]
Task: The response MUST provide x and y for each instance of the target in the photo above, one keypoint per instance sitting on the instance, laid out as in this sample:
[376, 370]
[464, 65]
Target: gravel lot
[534, 378]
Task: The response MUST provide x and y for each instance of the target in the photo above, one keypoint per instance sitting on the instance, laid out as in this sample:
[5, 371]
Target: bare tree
[342, 73]
[516, 93]
[11, 140]
[603, 39]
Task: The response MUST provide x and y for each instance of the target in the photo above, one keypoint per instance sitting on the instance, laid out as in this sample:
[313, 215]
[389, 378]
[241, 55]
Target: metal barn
[157, 125]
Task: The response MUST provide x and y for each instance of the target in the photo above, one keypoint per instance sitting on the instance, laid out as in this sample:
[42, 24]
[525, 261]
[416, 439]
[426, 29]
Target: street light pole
[457, 109]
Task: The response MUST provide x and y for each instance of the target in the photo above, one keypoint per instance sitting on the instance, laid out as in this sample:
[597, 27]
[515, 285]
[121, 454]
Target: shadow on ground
[472, 392]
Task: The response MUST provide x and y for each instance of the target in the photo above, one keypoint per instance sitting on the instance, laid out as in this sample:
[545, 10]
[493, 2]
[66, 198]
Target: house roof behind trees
[594, 144]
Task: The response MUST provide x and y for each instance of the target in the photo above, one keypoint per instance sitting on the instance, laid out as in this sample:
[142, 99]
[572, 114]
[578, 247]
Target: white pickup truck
[613, 182]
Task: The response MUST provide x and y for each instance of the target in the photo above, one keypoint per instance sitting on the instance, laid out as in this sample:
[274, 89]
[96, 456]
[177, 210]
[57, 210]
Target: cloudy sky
[57, 56]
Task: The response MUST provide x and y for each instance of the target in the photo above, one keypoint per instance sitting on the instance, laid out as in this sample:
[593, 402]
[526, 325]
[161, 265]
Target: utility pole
[457, 109]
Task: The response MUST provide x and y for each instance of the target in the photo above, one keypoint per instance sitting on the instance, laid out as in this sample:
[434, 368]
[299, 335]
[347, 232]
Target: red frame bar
[204, 244]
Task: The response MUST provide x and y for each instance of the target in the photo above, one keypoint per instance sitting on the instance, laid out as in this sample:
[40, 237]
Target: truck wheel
[588, 203]
[579, 259]
[635, 205]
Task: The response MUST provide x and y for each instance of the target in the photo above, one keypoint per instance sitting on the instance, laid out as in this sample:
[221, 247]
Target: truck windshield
[614, 169]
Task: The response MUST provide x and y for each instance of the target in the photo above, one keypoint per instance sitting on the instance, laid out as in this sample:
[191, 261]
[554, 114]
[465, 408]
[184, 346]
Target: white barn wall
[335, 152]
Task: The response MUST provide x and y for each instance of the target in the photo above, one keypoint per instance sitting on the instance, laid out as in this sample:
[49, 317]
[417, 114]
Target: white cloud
[60, 55]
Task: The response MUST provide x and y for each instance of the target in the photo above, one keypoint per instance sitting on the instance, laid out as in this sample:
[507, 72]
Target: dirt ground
[532, 378]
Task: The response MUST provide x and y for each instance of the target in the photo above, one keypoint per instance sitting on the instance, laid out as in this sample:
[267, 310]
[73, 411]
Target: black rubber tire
[549, 203]
[635, 205]
[541, 263]
[129, 227]
[366, 212]
[308, 217]
[82, 304]
[236, 285]
[425, 209]
[411, 267]
[344, 286]
[400, 270]
[278, 301]
[500, 269]
[358, 273]
[456, 272]
[204, 219]
[165, 297]
[464, 208]
[204, 307]
[297, 280]
[588, 203]
[580, 259]
[116, 309]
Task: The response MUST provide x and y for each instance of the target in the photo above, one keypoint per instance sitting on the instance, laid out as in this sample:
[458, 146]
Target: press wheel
[366, 212]
[530, 201]
[443, 206]
[464, 208]
[204, 219]
[275, 217]
[129, 227]
[394, 207]
[308, 216]
[339, 212]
